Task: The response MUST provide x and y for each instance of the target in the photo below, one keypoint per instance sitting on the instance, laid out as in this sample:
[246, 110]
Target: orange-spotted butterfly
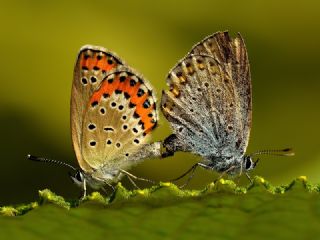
[209, 105]
[113, 111]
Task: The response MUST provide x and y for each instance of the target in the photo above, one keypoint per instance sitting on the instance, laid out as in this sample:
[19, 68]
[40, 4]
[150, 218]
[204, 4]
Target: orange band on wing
[99, 61]
[131, 93]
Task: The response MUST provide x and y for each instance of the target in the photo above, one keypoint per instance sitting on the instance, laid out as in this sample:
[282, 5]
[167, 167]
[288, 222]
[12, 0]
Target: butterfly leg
[224, 173]
[109, 185]
[239, 175]
[135, 177]
[184, 174]
[84, 190]
[246, 173]
[207, 167]
[192, 170]
[190, 176]
[249, 178]
[132, 182]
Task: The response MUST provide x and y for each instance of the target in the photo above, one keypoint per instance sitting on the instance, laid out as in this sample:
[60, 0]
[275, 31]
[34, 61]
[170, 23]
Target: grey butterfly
[209, 105]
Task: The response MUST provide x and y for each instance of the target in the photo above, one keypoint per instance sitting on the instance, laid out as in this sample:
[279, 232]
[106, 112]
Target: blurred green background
[39, 44]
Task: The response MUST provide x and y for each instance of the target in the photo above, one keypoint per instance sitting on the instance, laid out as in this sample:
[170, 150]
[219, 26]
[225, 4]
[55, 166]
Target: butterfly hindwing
[92, 65]
[121, 113]
[191, 110]
[233, 58]
[209, 101]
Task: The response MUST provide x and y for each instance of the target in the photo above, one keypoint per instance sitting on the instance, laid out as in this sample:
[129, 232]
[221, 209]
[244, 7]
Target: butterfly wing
[120, 115]
[92, 65]
[232, 55]
[209, 101]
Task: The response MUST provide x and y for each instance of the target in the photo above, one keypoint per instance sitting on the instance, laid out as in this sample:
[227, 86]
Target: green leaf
[220, 211]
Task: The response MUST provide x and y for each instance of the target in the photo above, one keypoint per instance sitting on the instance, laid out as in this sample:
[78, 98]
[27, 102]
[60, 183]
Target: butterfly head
[77, 178]
[248, 163]
[237, 166]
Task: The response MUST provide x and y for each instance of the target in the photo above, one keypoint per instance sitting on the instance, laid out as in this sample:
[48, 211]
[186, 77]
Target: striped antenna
[287, 152]
[46, 160]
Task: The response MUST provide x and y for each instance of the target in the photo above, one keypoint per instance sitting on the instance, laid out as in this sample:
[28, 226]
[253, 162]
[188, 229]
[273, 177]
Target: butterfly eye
[79, 176]
[249, 163]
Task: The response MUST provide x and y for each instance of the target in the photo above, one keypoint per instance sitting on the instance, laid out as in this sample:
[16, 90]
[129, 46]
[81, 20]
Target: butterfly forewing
[121, 113]
[92, 65]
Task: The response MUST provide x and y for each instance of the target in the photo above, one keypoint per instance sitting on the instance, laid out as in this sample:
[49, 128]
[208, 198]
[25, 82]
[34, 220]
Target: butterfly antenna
[288, 152]
[46, 160]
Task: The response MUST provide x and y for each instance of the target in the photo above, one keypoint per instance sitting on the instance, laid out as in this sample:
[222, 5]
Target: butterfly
[113, 112]
[209, 105]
